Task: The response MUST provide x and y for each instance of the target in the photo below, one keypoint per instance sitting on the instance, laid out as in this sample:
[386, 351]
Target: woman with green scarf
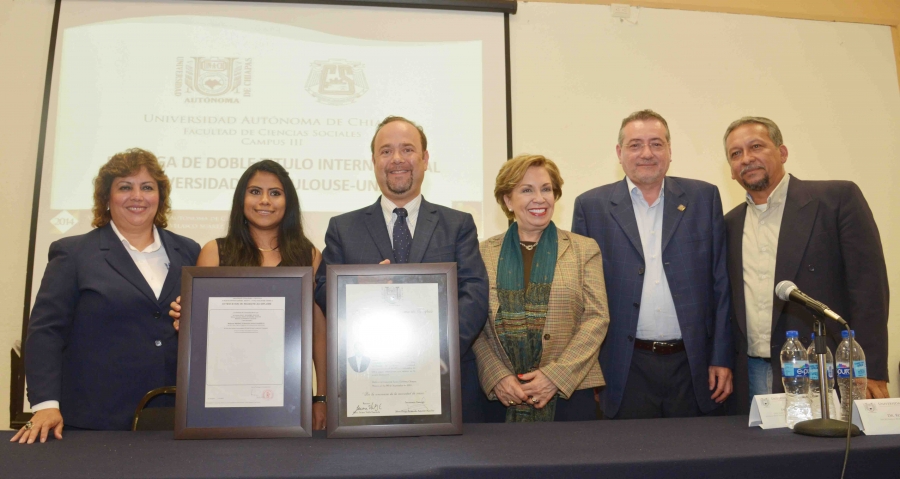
[537, 355]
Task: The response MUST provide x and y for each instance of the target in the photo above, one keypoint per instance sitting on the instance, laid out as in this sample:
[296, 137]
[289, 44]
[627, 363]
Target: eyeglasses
[637, 146]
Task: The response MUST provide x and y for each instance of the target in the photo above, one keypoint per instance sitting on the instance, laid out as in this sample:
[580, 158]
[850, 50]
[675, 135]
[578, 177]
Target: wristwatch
[319, 398]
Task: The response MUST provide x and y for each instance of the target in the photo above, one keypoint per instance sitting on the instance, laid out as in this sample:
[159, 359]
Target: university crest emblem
[336, 82]
[391, 294]
[213, 76]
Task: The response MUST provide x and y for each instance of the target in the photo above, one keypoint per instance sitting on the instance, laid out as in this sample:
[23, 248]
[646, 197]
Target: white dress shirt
[657, 319]
[153, 263]
[762, 225]
[412, 211]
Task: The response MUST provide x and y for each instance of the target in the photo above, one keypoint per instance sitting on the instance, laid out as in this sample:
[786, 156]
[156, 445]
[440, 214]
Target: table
[697, 448]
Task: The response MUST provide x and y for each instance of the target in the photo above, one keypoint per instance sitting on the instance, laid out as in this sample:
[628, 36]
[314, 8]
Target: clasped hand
[536, 390]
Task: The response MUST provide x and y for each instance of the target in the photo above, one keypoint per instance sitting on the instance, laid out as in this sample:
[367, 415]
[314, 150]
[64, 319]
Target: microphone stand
[824, 426]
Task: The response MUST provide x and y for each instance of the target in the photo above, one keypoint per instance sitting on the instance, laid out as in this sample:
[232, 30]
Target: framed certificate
[245, 353]
[393, 350]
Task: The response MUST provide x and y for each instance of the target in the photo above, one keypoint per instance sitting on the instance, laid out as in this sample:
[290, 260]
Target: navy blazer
[693, 253]
[98, 339]
[830, 248]
[442, 235]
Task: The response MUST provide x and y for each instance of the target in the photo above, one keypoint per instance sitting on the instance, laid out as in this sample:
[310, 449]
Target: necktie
[402, 237]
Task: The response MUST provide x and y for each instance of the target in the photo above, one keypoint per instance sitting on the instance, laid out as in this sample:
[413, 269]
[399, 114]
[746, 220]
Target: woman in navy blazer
[98, 336]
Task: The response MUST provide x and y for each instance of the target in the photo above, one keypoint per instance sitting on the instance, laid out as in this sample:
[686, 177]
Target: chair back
[154, 418]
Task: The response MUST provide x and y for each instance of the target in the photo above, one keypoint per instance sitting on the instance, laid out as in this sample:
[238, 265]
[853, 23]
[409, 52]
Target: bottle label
[859, 369]
[843, 370]
[814, 371]
[797, 369]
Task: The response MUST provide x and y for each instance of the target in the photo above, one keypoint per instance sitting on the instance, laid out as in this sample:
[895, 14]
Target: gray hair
[771, 128]
[643, 115]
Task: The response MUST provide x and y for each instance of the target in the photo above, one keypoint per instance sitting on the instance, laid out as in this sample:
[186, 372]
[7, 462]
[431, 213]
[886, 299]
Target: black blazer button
[157, 315]
[812, 268]
[547, 337]
[630, 338]
[637, 305]
[641, 270]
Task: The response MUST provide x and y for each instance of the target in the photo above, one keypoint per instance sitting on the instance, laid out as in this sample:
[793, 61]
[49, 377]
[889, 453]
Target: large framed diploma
[393, 350]
[245, 353]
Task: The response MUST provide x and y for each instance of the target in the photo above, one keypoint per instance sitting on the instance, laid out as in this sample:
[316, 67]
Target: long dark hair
[240, 249]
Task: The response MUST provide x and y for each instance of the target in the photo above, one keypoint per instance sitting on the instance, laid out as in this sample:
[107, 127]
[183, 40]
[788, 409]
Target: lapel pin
[682, 207]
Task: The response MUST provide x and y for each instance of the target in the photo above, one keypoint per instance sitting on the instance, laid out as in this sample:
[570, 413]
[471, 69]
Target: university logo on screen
[336, 82]
[213, 79]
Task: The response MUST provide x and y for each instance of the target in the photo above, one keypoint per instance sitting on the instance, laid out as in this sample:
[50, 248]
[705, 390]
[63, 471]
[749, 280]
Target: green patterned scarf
[523, 310]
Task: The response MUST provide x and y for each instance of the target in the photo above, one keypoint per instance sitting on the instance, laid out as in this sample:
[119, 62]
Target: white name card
[767, 410]
[877, 416]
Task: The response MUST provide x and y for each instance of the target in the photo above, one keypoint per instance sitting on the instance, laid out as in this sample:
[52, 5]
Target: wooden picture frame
[401, 324]
[229, 327]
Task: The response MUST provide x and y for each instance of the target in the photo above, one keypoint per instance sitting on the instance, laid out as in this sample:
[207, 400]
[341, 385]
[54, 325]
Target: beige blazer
[577, 319]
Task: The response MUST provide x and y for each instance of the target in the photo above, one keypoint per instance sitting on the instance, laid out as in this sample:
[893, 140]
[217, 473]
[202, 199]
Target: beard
[758, 185]
[400, 187]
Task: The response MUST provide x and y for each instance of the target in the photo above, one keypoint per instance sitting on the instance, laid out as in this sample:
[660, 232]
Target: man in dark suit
[668, 351]
[819, 234]
[401, 227]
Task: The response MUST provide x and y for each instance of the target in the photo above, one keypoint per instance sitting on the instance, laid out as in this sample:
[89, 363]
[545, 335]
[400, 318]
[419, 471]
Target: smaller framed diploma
[245, 353]
[393, 350]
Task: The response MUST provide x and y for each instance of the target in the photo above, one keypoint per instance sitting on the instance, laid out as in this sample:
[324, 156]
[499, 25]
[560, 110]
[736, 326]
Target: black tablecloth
[697, 448]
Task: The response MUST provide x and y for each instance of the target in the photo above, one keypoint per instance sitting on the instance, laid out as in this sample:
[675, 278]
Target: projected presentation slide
[212, 95]
[212, 87]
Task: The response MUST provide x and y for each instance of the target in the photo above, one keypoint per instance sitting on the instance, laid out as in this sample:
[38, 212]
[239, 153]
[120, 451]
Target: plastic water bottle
[851, 376]
[795, 378]
[814, 393]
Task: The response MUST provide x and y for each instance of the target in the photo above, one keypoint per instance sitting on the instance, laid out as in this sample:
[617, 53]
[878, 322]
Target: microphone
[787, 291]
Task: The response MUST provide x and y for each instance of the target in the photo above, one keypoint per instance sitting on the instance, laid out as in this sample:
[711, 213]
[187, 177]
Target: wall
[851, 11]
[24, 44]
